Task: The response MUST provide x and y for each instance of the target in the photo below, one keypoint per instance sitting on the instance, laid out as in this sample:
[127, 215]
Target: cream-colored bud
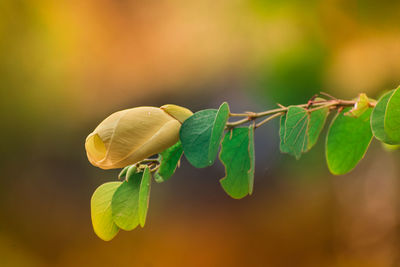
[129, 136]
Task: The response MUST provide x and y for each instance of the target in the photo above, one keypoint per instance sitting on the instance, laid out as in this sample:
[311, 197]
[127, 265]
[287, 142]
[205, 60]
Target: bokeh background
[65, 65]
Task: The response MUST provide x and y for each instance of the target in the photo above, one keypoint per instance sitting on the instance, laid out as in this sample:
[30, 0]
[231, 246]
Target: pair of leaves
[349, 137]
[385, 118]
[300, 129]
[201, 136]
[347, 141]
[121, 205]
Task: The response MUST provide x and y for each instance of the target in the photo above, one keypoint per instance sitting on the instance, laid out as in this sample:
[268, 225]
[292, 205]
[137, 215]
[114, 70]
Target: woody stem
[274, 113]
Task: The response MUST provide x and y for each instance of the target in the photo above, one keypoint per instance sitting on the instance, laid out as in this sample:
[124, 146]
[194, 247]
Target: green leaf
[293, 131]
[347, 141]
[101, 213]
[378, 119]
[125, 203]
[316, 124]
[392, 120]
[169, 162]
[144, 196]
[218, 131]
[201, 135]
[237, 155]
[252, 159]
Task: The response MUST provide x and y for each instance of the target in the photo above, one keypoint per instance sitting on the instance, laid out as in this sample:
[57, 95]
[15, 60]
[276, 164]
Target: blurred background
[65, 65]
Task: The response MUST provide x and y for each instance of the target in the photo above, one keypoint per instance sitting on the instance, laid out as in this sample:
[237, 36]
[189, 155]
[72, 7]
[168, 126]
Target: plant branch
[150, 161]
[311, 106]
[153, 164]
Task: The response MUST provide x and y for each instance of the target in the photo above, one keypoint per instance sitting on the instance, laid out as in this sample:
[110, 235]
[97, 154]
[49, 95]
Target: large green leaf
[144, 196]
[101, 213]
[293, 131]
[169, 161]
[315, 125]
[125, 203]
[347, 141]
[378, 119]
[237, 155]
[392, 120]
[201, 135]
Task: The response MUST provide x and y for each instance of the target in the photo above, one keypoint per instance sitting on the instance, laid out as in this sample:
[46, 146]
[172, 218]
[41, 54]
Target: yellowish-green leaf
[101, 213]
[362, 105]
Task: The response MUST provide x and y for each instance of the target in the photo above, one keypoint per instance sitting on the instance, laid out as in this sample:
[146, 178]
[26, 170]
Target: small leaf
[347, 141]
[144, 196]
[315, 125]
[362, 105]
[123, 172]
[201, 135]
[101, 213]
[378, 119]
[392, 120]
[169, 161]
[237, 155]
[125, 203]
[130, 172]
[293, 131]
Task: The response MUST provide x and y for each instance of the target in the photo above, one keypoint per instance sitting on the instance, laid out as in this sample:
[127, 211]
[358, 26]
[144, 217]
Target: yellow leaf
[100, 205]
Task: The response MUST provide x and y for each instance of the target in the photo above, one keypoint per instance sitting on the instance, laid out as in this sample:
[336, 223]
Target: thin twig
[238, 114]
[280, 105]
[155, 169]
[328, 95]
[237, 123]
[149, 161]
[270, 112]
[311, 106]
[268, 119]
[322, 107]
